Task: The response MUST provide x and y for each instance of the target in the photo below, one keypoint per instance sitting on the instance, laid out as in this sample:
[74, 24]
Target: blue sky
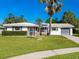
[32, 9]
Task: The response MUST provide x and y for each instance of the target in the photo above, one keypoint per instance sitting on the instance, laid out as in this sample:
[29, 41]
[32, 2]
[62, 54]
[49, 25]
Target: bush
[76, 31]
[10, 33]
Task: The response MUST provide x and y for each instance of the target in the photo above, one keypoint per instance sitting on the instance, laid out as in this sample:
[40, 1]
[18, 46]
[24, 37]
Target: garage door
[65, 31]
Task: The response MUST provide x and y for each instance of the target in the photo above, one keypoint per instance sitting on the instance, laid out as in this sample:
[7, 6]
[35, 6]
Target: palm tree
[52, 7]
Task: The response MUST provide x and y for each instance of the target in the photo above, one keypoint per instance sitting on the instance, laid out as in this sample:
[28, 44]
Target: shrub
[10, 33]
[76, 31]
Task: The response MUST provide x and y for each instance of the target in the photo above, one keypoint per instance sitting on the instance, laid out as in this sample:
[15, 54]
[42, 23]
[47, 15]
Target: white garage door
[65, 31]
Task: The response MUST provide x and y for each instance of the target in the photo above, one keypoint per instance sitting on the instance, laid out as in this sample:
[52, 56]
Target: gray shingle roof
[21, 24]
[61, 25]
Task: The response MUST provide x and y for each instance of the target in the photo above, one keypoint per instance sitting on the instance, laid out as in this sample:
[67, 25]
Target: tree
[53, 20]
[52, 7]
[14, 19]
[69, 17]
[39, 22]
[20, 19]
[10, 18]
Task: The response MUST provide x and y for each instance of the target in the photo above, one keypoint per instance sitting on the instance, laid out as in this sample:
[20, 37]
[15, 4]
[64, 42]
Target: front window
[55, 29]
[17, 28]
[44, 29]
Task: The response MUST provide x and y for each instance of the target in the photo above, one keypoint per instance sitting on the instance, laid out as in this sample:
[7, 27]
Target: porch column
[34, 31]
[28, 33]
[13, 28]
[71, 31]
[47, 30]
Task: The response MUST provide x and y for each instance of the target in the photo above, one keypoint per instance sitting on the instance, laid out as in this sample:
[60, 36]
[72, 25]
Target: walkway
[73, 38]
[43, 54]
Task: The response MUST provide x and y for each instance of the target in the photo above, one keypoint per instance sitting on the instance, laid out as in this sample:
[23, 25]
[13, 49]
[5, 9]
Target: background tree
[52, 7]
[53, 20]
[39, 22]
[9, 19]
[69, 17]
[14, 19]
[20, 19]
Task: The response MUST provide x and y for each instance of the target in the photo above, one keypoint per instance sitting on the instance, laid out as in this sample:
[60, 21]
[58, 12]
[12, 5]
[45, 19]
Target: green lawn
[12, 46]
[66, 56]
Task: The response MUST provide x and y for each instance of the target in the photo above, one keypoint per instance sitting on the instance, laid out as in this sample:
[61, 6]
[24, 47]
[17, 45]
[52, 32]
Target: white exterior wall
[9, 29]
[71, 31]
[1, 31]
[13, 29]
[24, 29]
[57, 32]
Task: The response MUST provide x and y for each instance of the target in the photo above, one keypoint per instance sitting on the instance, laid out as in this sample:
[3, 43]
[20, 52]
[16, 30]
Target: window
[17, 28]
[55, 29]
[44, 29]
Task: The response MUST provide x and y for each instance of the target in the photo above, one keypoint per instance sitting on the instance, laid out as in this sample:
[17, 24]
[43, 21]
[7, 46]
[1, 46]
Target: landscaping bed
[13, 46]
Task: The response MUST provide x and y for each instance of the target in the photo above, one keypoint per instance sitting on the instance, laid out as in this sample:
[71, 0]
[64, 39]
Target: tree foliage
[53, 20]
[20, 19]
[69, 17]
[39, 22]
[14, 19]
[52, 6]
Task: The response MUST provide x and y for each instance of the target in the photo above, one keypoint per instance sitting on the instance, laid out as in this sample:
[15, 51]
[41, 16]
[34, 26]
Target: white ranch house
[32, 29]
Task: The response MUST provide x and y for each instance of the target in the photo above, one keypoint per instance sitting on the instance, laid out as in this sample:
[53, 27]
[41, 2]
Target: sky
[33, 9]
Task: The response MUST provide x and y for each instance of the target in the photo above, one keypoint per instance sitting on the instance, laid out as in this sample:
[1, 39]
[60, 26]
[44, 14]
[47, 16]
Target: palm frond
[58, 8]
[43, 1]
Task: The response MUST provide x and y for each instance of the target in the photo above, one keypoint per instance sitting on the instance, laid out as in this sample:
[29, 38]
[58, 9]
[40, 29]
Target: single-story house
[59, 28]
[32, 29]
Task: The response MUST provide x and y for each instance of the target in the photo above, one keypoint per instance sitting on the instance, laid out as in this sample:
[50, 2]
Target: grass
[13, 46]
[66, 56]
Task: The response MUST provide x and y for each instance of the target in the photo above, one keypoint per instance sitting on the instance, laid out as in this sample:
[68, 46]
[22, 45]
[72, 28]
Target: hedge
[10, 33]
[76, 31]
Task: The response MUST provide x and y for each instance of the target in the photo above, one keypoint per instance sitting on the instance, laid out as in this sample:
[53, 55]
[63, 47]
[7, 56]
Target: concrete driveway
[73, 38]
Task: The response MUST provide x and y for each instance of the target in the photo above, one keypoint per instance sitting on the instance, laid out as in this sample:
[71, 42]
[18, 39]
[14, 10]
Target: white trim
[21, 24]
[71, 31]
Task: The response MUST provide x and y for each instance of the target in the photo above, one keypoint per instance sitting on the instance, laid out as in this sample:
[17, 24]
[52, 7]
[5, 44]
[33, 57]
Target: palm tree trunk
[50, 25]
